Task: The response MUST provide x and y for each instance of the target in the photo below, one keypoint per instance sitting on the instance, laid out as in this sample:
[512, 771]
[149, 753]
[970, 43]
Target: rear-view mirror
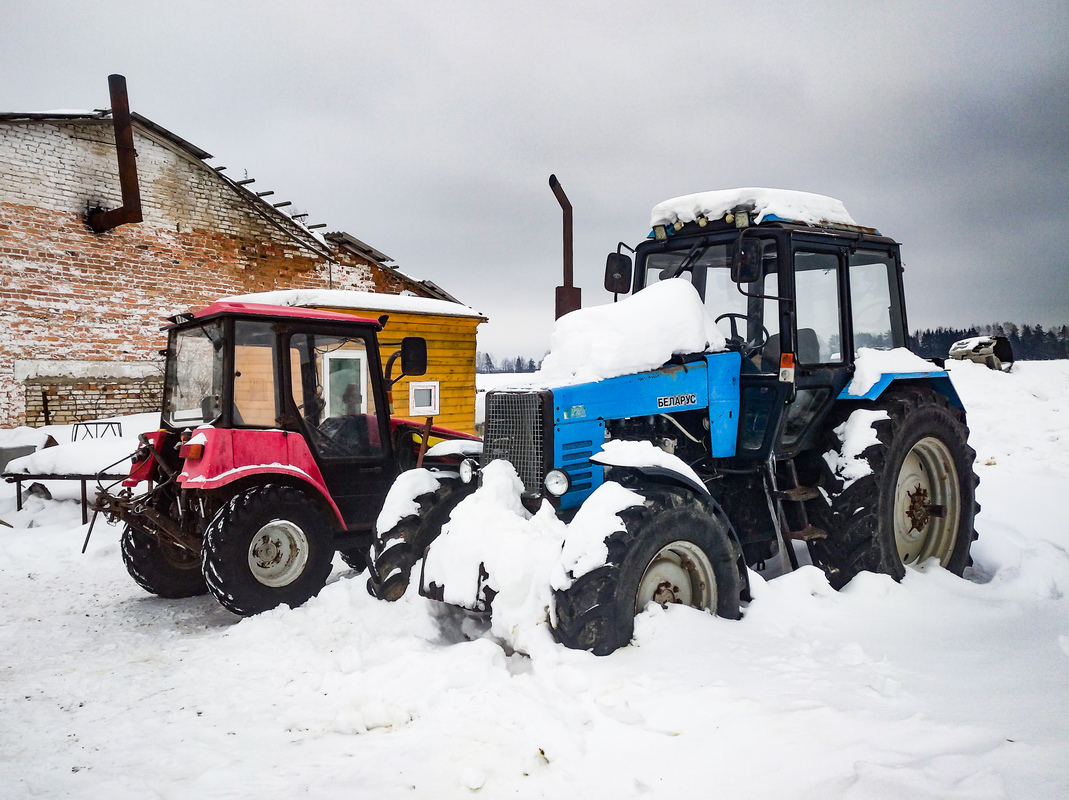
[413, 355]
[746, 259]
[618, 273]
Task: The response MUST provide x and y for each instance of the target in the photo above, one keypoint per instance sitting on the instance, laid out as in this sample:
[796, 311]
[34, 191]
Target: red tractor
[276, 448]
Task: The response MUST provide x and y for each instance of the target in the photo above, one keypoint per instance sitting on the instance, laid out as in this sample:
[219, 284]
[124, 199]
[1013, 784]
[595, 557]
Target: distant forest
[1029, 343]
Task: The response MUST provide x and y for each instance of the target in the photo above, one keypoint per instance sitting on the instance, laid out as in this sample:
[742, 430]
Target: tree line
[1029, 342]
[486, 363]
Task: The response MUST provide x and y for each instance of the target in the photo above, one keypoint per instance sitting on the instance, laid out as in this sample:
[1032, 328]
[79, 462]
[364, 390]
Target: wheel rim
[278, 553]
[927, 503]
[680, 573]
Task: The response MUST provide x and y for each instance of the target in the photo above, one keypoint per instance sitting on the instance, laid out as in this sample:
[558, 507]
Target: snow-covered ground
[933, 688]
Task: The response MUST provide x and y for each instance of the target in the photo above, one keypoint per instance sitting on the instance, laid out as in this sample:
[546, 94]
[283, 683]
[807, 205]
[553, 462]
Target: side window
[332, 392]
[254, 375]
[816, 291]
[871, 273]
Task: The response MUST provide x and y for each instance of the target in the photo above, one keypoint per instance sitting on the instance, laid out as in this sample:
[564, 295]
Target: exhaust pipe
[99, 219]
[569, 298]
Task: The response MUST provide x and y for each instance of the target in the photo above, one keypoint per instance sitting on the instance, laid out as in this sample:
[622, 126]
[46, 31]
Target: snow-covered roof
[343, 298]
[780, 204]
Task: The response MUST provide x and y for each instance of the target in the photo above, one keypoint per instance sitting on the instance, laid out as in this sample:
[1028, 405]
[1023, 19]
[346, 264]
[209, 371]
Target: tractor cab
[797, 297]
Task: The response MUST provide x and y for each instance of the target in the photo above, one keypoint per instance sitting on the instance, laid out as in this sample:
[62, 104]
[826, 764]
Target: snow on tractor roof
[344, 298]
[763, 204]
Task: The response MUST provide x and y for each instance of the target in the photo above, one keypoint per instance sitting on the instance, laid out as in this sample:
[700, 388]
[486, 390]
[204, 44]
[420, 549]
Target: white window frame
[345, 355]
[434, 409]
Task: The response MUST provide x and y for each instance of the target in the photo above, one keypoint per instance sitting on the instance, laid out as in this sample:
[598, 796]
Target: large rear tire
[396, 551]
[676, 548]
[919, 501]
[161, 568]
[269, 545]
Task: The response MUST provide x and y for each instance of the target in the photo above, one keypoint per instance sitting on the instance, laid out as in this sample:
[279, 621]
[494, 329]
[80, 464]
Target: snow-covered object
[87, 457]
[870, 365]
[617, 453]
[804, 207]
[400, 501]
[491, 533]
[455, 447]
[23, 437]
[638, 333]
[344, 298]
[856, 434]
[597, 519]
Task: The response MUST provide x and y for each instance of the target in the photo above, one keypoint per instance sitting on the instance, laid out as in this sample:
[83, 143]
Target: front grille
[514, 432]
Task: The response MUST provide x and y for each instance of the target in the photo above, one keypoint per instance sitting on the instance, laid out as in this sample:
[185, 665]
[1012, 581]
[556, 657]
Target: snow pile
[643, 454]
[345, 298]
[810, 209]
[872, 364]
[639, 333]
[455, 447]
[87, 457]
[493, 548]
[23, 437]
[597, 519]
[856, 434]
[400, 501]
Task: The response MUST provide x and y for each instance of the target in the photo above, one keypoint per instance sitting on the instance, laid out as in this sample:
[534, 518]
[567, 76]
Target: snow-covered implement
[995, 352]
[811, 422]
[276, 449]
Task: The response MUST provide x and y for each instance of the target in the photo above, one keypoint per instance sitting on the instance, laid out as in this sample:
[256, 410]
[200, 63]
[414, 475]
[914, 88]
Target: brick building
[80, 311]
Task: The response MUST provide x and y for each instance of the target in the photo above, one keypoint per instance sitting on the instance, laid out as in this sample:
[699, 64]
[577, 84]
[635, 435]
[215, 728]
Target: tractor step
[808, 534]
[798, 494]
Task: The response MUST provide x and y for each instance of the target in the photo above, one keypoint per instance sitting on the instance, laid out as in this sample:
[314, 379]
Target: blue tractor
[784, 438]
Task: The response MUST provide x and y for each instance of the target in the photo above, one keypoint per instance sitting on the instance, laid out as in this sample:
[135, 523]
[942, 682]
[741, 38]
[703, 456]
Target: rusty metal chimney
[569, 298]
[99, 219]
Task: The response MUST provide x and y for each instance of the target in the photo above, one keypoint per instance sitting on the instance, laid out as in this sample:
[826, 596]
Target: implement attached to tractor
[765, 432]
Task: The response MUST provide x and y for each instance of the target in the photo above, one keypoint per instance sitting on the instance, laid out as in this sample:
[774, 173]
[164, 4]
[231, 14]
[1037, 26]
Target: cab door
[821, 341]
[339, 404]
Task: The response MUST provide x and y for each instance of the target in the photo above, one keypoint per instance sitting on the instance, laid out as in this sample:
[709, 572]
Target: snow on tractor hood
[781, 204]
[637, 334]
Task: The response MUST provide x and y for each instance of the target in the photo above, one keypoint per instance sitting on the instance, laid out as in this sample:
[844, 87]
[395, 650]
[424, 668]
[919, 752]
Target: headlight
[557, 482]
[468, 470]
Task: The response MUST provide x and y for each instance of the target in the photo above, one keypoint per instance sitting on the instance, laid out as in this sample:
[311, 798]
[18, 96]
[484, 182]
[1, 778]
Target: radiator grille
[514, 432]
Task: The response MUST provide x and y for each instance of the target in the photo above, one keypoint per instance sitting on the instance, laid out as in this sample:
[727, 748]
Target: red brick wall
[69, 294]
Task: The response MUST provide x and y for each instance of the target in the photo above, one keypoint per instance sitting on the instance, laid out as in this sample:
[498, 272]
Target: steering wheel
[746, 348]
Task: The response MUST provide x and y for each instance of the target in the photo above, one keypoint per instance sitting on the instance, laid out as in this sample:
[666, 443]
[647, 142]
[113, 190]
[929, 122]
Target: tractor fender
[228, 455]
[937, 380]
[654, 464]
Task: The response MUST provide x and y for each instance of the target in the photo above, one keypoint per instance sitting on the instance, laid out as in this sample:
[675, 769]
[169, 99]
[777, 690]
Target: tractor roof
[266, 310]
[763, 205]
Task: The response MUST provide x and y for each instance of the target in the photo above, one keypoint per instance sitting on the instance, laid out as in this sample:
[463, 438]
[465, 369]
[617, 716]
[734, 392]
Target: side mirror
[746, 259]
[618, 273]
[414, 355]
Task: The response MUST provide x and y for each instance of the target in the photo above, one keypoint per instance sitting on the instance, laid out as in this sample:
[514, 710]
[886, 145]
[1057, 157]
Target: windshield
[192, 391]
[708, 268]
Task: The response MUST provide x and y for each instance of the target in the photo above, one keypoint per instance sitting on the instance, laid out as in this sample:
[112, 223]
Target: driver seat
[808, 350]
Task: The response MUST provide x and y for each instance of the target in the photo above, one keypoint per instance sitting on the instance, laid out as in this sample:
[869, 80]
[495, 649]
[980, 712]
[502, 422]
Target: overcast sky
[430, 130]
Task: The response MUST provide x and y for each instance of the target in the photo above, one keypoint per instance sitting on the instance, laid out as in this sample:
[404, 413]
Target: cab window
[333, 394]
[816, 291]
[871, 273]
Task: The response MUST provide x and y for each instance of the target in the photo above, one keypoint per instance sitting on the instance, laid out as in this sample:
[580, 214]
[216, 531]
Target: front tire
[919, 501]
[161, 568]
[269, 545]
[395, 552]
[676, 548]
